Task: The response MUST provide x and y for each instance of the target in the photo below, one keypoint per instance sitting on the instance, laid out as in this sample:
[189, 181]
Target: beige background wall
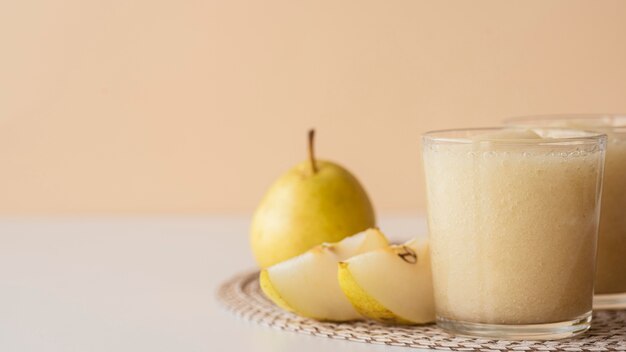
[196, 106]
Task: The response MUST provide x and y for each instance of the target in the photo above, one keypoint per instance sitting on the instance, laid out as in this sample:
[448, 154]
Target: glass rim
[577, 137]
[586, 117]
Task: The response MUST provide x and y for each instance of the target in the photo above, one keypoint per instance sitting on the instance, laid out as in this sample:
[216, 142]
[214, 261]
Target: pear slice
[307, 284]
[392, 284]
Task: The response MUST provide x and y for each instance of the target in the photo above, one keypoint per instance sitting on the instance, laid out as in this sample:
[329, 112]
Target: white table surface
[138, 284]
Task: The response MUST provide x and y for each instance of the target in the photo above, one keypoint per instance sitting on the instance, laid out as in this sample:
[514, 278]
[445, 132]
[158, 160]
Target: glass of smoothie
[610, 286]
[513, 221]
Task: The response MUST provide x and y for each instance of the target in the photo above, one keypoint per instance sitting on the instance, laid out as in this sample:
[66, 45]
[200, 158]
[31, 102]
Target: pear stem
[312, 150]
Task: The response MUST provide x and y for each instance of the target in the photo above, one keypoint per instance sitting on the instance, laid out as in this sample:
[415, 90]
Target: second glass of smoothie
[610, 287]
[513, 217]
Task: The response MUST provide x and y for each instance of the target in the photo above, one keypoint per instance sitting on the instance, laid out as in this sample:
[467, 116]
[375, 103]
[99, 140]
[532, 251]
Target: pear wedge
[392, 284]
[307, 284]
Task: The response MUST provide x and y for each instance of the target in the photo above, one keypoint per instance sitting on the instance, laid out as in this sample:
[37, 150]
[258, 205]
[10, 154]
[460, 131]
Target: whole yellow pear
[314, 202]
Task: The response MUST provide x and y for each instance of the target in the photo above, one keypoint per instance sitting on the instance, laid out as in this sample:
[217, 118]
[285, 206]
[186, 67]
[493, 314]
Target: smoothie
[611, 273]
[611, 266]
[513, 219]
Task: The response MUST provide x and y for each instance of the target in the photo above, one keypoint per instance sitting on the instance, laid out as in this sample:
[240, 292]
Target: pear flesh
[307, 284]
[306, 207]
[392, 284]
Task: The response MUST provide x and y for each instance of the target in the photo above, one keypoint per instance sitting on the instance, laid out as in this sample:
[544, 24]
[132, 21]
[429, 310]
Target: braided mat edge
[242, 296]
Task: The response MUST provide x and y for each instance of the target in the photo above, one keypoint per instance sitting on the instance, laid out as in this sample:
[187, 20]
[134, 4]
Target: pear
[392, 284]
[314, 202]
[307, 284]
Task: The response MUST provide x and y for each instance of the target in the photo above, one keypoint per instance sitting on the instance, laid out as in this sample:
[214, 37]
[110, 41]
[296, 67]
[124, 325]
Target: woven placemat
[242, 295]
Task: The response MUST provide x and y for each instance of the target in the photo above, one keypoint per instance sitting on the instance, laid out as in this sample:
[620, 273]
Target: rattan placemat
[243, 296]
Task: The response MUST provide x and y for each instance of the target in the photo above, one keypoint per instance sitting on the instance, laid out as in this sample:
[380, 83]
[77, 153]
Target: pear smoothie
[513, 217]
[611, 273]
[610, 287]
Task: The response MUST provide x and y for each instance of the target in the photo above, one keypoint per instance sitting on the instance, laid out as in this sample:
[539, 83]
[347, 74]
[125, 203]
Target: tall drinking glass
[513, 217]
[610, 287]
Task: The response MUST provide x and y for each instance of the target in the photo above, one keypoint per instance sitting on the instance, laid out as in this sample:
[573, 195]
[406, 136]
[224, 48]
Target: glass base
[551, 331]
[609, 301]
